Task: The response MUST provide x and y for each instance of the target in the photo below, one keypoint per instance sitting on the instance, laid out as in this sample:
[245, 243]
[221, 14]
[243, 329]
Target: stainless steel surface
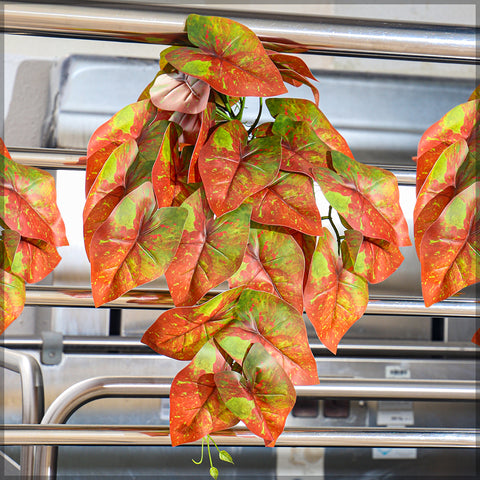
[138, 298]
[331, 437]
[32, 398]
[324, 35]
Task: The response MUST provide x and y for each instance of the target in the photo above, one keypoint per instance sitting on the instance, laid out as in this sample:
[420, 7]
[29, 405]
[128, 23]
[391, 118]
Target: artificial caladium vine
[179, 184]
[31, 230]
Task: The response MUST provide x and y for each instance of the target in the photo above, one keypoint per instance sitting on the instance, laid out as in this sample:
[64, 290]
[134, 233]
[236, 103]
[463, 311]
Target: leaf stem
[334, 227]
[216, 446]
[239, 115]
[255, 123]
[201, 457]
[208, 449]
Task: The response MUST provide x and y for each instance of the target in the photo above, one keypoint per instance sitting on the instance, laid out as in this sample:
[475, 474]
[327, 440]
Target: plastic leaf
[196, 408]
[476, 337]
[213, 472]
[263, 399]
[449, 250]
[180, 332]
[266, 319]
[301, 148]
[28, 203]
[232, 169]
[289, 202]
[230, 58]
[366, 196]
[273, 263]
[178, 92]
[225, 456]
[12, 298]
[134, 245]
[302, 110]
[334, 297]
[475, 94]
[210, 251]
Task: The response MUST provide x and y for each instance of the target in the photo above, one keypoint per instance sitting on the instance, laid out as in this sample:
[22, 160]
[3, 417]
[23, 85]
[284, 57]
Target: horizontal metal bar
[318, 437]
[319, 34]
[138, 298]
[377, 348]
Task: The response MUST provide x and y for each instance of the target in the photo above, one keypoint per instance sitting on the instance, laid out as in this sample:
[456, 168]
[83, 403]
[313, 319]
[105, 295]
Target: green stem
[334, 227]
[255, 123]
[208, 449]
[239, 115]
[216, 446]
[201, 457]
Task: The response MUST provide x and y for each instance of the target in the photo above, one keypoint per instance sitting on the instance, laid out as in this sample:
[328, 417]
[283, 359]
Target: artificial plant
[31, 230]
[178, 185]
[447, 213]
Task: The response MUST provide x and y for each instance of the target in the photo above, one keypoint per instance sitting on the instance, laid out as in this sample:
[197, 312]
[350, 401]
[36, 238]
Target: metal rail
[91, 389]
[160, 298]
[310, 437]
[32, 398]
[319, 34]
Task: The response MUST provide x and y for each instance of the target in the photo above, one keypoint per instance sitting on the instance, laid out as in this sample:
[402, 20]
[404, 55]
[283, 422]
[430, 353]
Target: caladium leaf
[196, 407]
[28, 203]
[366, 196]
[302, 150]
[232, 168]
[210, 252]
[476, 337]
[180, 332]
[302, 110]
[267, 319]
[12, 298]
[449, 250]
[308, 244]
[230, 58]
[373, 259]
[475, 94]
[134, 245]
[273, 263]
[178, 92]
[9, 242]
[334, 297]
[459, 123]
[263, 399]
[289, 202]
[126, 124]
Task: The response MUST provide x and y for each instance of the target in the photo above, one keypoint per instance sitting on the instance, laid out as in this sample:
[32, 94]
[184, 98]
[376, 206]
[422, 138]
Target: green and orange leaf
[12, 298]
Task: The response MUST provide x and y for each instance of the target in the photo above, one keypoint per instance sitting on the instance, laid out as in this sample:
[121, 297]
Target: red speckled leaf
[210, 252]
[476, 337]
[302, 150]
[475, 94]
[263, 399]
[373, 259]
[267, 319]
[230, 58]
[308, 244]
[459, 123]
[289, 202]
[233, 169]
[179, 93]
[334, 297]
[449, 250]
[128, 123]
[12, 298]
[273, 263]
[28, 203]
[196, 407]
[180, 332]
[367, 197]
[134, 245]
[9, 242]
[302, 110]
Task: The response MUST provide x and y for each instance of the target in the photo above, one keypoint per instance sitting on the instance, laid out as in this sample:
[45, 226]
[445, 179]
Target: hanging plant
[447, 213]
[178, 185]
[31, 229]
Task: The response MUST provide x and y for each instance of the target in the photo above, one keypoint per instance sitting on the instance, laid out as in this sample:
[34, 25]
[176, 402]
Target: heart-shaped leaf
[289, 202]
[230, 58]
[134, 245]
[263, 399]
[366, 196]
[449, 250]
[178, 92]
[232, 169]
[302, 150]
[334, 297]
[273, 263]
[196, 408]
[373, 259]
[210, 252]
[180, 332]
[266, 319]
[28, 203]
[12, 298]
[302, 110]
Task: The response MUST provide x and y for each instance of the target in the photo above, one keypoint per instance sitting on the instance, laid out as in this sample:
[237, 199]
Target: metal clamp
[52, 348]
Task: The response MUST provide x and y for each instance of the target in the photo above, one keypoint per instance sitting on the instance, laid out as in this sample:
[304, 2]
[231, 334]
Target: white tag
[397, 371]
[165, 409]
[389, 453]
[395, 418]
[296, 462]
